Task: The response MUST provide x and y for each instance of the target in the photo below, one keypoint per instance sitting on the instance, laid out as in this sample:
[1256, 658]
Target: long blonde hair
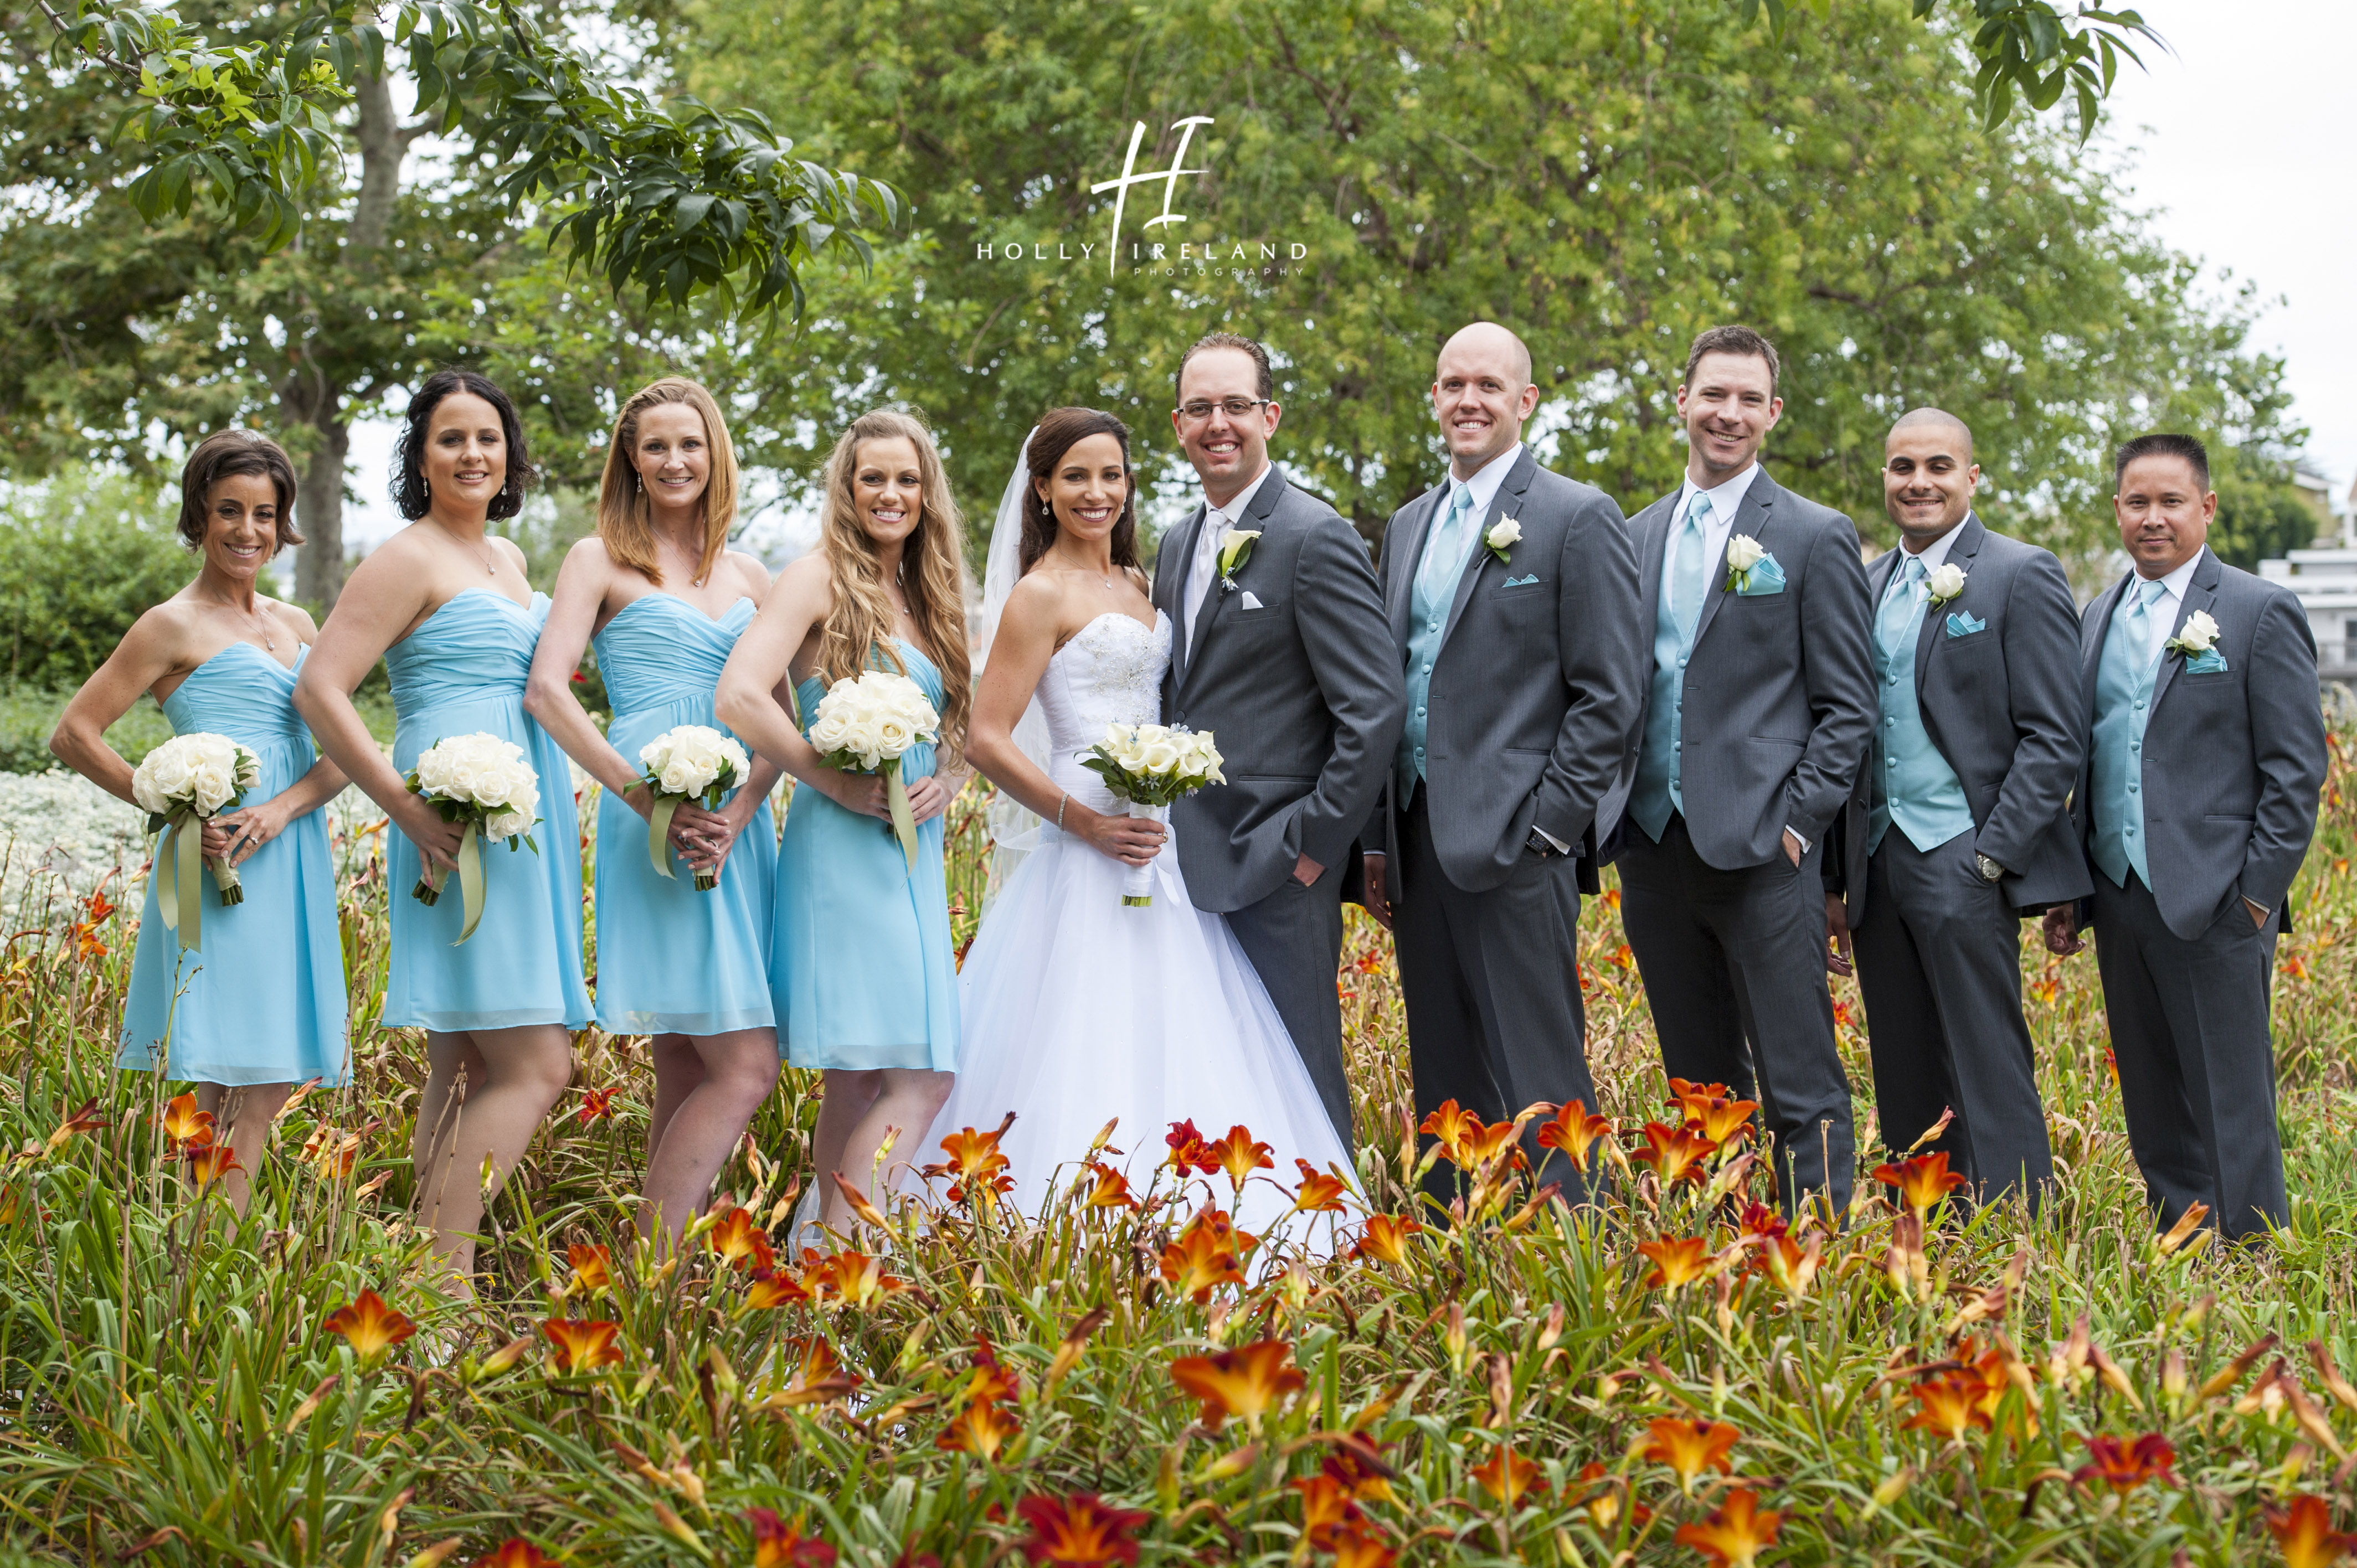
[860, 623]
[625, 513]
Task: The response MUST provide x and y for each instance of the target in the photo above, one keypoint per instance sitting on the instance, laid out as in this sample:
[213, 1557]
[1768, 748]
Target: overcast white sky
[2240, 139]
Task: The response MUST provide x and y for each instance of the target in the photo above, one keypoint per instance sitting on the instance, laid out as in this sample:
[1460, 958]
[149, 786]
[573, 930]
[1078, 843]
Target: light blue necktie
[1686, 570]
[1444, 558]
[1898, 608]
[2148, 593]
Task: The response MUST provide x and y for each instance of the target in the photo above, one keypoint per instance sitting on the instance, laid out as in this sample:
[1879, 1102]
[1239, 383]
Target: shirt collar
[1487, 479]
[1724, 498]
[1934, 553]
[1234, 509]
[2174, 582]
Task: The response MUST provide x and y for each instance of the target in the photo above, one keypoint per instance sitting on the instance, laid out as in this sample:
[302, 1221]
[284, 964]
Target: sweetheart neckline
[719, 619]
[1154, 631]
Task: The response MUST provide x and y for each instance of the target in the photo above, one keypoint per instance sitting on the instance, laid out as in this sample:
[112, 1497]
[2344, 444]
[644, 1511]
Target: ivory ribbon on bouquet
[180, 860]
[470, 882]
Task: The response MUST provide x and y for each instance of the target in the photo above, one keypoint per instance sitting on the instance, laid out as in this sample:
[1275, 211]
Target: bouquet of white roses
[485, 783]
[682, 763]
[180, 784]
[866, 725]
[1147, 767]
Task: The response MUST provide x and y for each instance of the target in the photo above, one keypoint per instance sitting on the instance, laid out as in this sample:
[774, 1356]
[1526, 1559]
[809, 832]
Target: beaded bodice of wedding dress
[1110, 672]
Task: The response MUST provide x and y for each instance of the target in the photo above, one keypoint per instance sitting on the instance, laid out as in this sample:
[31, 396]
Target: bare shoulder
[294, 618]
[589, 551]
[749, 571]
[807, 573]
[511, 549]
[163, 630]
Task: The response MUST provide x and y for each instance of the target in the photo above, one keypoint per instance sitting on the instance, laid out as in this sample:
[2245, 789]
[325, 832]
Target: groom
[1279, 647]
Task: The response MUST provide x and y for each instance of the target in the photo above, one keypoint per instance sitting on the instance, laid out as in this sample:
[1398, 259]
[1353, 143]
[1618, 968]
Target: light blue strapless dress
[862, 968]
[264, 1001]
[671, 960]
[461, 672]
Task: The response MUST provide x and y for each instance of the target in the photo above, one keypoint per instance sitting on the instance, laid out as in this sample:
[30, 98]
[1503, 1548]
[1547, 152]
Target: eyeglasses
[1234, 408]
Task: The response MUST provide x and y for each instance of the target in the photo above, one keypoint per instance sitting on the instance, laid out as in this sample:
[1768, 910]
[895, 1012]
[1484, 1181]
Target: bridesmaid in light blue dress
[448, 609]
[668, 600]
[259, 1007]
[861, 966]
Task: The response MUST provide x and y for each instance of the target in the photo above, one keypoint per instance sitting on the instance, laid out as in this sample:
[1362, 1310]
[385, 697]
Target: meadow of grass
[1668, 1375]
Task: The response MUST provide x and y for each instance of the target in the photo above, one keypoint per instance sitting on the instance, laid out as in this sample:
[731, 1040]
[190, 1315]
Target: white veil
[1014, 831]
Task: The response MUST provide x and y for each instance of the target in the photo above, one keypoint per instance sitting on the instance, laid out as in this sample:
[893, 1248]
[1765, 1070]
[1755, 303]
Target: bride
[1075, 1009]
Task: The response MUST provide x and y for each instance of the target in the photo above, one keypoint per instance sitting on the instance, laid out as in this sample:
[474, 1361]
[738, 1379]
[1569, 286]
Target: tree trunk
[319, 512]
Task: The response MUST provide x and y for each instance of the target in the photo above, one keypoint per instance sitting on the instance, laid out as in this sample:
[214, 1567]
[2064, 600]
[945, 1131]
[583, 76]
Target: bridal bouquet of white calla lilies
[182, 783]
[684, 762]
[1146, 766]
[866, 724]
[483, 783]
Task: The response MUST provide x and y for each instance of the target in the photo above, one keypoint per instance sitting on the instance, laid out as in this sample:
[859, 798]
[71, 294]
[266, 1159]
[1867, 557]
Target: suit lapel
[2200, 593]
[1652, 537]
[1264, 501]
[1756, 510]
[1507, 502]
[2098, 627]
[1967, 546]
[1415, 528]
[1170, 588]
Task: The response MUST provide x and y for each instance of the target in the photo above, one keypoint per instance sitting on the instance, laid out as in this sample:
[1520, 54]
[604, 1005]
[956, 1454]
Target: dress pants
[1731, 955]
[1939, 961]
[2189, 1031]
[1293, 939]
[1491, 984]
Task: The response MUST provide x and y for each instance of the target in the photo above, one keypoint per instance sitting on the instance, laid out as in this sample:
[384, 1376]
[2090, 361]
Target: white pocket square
[1251, 600]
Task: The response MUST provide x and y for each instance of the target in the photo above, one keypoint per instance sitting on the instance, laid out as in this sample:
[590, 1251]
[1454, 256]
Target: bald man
[1960, 825]
[1512, 597]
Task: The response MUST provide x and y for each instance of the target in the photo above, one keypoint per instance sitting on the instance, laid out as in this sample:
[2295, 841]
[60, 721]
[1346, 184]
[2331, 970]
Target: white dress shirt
[1484, 483]
[1932, 555]
[1724, 502]
[2162, 613]
[1217, 520]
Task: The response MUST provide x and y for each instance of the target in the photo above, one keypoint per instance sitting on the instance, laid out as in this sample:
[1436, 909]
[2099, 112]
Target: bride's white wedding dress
[1076, 1010]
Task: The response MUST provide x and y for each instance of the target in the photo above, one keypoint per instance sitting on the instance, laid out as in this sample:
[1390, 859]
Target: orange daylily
[2125, 1467]
[1507, 1475]
[1326, 1505]
[847, 1278]
[819, 1379]
[774, 1287]
[369, 1326]
[516, 1552]
[1574, 1130]
[1384, 1236]
[333, 1152]
[1675, 1153]
[1690, 1447]
[1355, 1547]
[1246, 1382]
[740, 1241]
[976, 1163]
[1240, 1156]
[979, 1429]
[1320, 1193]
[989, 1381]
[1108, 1188]
[593, 1266]
[1678, 1260]
[1451, 1124]
[777, 1544]
[1948, 1403]
[1722, 1121]
[1922, 1181]
[2305, 1535]
[579, 1345]
[184, 1125]
[1737, 1533]
[597, 1104]
[1357, 1462]
[1484, 1143]
[1203, 1258]
[208, 1163]
[1189, 1149]
[1079, 1531]
[85, 1119]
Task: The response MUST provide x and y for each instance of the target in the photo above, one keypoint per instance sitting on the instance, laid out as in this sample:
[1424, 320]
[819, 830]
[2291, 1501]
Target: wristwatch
[1990, 870]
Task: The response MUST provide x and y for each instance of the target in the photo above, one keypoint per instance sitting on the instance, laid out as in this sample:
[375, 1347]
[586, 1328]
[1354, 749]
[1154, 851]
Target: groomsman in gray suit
[2196, 804]
[1513, 600]
[1752, 725]
[1959, 823]
[1278, 648]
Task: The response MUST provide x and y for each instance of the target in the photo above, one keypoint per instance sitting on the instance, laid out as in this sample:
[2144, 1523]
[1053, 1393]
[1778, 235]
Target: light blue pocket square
[1765, 577]
[1529, 581]
[2208, 662]
[1963, 623]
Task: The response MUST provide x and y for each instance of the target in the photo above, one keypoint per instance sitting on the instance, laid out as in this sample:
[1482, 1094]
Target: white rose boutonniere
[1743, 552]
[2198, 635]
[1946, 581]
[1502, 538]
[1235, 549]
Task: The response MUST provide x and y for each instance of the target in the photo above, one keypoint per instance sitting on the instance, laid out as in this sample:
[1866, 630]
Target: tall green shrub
[81, 556]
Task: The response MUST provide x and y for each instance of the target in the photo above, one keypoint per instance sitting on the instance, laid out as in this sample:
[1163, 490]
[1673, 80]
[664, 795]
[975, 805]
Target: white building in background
[2325, 578]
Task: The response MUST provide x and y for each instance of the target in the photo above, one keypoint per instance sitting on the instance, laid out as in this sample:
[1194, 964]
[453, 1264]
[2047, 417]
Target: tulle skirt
[1077, 1011]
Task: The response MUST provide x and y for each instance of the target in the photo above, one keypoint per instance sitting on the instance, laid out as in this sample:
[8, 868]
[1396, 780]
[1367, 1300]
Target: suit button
[2132, 789]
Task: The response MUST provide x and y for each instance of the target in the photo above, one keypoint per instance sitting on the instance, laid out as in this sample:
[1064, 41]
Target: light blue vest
[1913, 785]
[1428, 607]
[1656, 792]
[2123, 704]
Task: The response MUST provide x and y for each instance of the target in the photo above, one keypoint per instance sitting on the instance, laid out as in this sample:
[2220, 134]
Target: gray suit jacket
[1779, 688]
[2001, 704]
[1303, 695]
[1538, 678]
[2233, 761]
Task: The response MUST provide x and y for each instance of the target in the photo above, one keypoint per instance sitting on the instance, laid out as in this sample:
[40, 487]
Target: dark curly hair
[236, 450]
[1058, 431]
[408, 452]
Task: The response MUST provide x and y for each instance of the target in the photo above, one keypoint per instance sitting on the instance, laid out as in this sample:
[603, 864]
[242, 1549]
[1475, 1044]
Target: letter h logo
[1129, 177]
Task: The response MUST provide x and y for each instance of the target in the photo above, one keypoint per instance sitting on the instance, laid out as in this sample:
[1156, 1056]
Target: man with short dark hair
[1279, 647]
[2196, 804]
[1960, 823]
[1757, 710]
